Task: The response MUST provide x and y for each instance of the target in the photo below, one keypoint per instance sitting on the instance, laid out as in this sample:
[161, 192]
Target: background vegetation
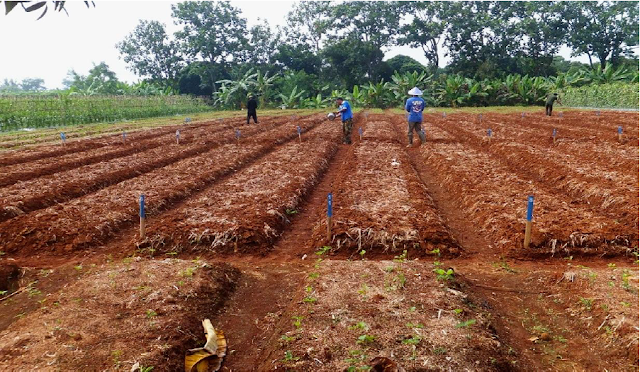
[499, 52]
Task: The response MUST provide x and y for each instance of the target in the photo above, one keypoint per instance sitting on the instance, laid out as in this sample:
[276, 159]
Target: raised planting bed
[114, 315]
[249, 210]
[108, 210]
[381, 204]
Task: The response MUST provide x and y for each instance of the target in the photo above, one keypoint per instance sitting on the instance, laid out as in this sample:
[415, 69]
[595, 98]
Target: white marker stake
[529, 223]
[143, 218]
[178, 136]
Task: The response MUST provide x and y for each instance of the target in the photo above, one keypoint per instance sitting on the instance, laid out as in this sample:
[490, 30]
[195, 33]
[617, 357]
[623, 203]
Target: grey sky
[50, 47]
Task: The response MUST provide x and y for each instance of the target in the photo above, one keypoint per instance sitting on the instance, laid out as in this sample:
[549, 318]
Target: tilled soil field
[422, 266]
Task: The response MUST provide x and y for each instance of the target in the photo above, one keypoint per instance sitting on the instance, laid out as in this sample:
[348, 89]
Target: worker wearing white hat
[414, 106]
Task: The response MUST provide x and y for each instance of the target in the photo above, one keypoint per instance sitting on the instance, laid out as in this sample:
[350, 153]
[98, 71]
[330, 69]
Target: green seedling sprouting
[466, 323]
[435, 252]
[389, 269]
[439, 351]
[288, 356]
[151, 314]
[437, 263]
[287, 339]
[297, 321]
[2, 293]
[412, 309]
[362, 253]
[415, 340]
[360, 325]
[625, 304]
[587, 303]
[314, 275]
[402, 257]
[188, 272]
[78, 267]
[291, 212]
[363, 289]
[412, 325]
[310, 300]
[444, 275]
[611, 265]
[457, 311]
[365, 340]
[323, 250]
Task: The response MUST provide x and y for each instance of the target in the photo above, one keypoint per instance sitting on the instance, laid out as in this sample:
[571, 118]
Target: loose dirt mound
[145, 311]
[352, 312]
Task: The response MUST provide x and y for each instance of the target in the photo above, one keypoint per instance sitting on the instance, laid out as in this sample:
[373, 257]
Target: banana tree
[292, 99]
[263, 84]
[377, 95]
[316, 102]
[233, 92]
[452, 94]
[607, 75]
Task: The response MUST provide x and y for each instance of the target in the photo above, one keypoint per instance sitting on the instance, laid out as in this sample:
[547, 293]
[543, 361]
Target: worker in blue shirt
[414, 106]
[344, 110]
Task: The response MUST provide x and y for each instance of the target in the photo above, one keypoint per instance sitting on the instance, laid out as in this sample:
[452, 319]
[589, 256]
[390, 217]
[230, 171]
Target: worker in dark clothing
[252, 105]
[549, 106]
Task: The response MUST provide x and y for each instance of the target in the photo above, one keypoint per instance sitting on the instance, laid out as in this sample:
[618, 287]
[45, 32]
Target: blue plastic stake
[360, 133]
[554, 134]
[299, 132]
[187, 120]
[529, 223]
[178, 136]
[124, 137]
[143, 218]
[329, 215]
[238, 134]
[63, 137]
[620, 133]
[489, 134]
[522, 115]
[480, 117]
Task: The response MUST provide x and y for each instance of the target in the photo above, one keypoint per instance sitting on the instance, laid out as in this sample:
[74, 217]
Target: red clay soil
[108, 211]
[62, 186]
[249, 210]
[26, 171]
[116, 314]
[384, 206]
[577, 313]
[494, 196]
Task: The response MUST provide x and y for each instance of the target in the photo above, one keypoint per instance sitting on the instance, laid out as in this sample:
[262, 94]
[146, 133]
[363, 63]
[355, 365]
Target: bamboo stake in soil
[529, 223]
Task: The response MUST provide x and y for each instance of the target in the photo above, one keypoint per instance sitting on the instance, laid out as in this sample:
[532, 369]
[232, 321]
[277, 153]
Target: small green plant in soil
[466, 323]
[360, 325]
[444, 275]
[587, 303]
[289, 357]
[323, 250]
[151, 314]
[297, 321]
[402, 257]
[414, 340]
[365, 339]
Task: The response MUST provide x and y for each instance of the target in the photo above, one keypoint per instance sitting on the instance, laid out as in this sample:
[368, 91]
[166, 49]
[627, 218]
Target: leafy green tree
[101, 80]
[352, 61]
[263, 45]
[149, 53]
[606, 30]
[10, 86]
[404, 64]
[426, 29]
[32, 85]
[307, 24]
[233, 92]
[211, 31]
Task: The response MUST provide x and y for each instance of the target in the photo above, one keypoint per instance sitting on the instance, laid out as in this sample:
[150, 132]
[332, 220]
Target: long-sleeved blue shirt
[415, 106]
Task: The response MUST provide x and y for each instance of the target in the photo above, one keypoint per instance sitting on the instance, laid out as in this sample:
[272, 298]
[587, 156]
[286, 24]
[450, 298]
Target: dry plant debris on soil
[424, 269]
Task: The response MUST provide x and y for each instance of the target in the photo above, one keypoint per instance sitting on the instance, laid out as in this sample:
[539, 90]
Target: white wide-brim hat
[415, 92]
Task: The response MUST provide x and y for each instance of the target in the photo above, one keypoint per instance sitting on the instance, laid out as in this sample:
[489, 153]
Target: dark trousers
[417, 126]
[548, 108]
[252, 114]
